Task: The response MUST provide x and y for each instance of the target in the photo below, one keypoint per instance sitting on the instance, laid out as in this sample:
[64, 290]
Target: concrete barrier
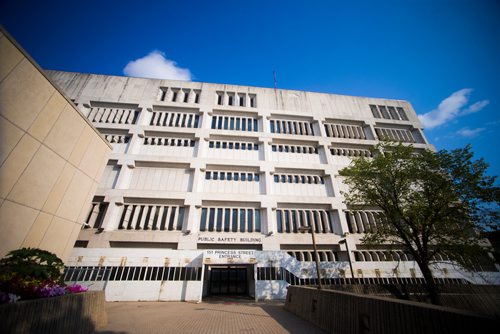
[483, 299]
[344, 312]
[79, 313]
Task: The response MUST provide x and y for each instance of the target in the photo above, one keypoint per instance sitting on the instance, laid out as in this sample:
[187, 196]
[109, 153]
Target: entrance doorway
[228, 280]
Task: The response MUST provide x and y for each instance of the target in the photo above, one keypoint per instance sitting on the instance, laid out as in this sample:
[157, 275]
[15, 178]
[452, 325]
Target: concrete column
[318, 127]
[125, 175]
[113, 214]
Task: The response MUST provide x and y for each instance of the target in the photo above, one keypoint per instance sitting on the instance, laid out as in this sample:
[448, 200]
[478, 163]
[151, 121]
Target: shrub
[29, 273]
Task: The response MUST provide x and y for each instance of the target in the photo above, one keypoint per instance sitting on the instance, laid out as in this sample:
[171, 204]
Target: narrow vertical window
[242, 220]
[226, 120]
[211, 218]
[231, 124]
[180, 220]
[227, 216]
[203, 222]
[197, 97]
[287, 221]
[219, 125]
[234, 226]
[186, 96]
[255, 125]
[374, 111]
[238, 123]
[250, 220]
[253, 101]
[172, 217]
[214, 121]
[402, 113]
[272, 126]
[230, 100]
[174, 96]
[219, 99]
[279, 222]
[294, 221]
[257, 220]
[219, 219]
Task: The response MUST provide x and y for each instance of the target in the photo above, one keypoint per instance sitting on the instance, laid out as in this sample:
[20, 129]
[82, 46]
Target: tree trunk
[430, 285]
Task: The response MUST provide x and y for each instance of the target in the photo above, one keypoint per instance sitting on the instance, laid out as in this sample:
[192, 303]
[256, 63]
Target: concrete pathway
[216, 316]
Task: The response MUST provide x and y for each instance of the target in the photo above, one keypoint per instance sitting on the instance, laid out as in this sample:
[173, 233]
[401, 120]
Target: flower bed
[34, 299]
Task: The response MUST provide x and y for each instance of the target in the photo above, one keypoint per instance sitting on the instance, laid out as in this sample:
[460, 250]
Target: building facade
[208, 185]
[51, 158]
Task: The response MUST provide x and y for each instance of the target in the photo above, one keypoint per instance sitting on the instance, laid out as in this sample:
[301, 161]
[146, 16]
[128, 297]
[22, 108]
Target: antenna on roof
[275, 82]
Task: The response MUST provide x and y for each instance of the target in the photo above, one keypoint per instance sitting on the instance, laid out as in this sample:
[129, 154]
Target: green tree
[432, 203]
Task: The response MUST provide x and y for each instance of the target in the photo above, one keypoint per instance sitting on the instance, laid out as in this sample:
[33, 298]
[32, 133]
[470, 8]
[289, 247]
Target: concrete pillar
[113, 213]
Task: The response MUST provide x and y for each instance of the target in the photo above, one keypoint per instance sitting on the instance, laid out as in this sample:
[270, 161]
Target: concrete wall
[78, 313]
[51, 158]
[344, 312]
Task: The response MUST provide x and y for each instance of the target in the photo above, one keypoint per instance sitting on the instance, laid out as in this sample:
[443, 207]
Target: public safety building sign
[210, 239]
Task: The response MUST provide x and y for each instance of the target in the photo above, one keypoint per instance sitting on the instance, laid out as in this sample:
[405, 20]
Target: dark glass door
[228, 281]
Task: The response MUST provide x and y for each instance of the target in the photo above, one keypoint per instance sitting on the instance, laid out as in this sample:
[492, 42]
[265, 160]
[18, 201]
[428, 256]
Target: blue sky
[442, 56]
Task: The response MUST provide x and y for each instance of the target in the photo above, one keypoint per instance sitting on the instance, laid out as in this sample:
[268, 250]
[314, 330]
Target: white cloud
[156, 66]
[470, 133]
[451, 108]
[475, 107]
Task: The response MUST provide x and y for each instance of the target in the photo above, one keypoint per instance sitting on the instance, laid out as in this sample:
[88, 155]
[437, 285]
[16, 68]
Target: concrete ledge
[75, 313]
[344, 312]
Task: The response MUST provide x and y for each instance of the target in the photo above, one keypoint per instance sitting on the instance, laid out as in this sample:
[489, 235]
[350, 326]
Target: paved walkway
[216, 316]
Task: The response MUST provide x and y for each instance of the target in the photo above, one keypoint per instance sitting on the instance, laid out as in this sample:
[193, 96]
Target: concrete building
[51, 158]
[208, 185]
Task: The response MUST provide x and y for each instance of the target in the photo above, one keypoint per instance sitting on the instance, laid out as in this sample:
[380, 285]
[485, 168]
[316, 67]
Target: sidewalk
[216, 316]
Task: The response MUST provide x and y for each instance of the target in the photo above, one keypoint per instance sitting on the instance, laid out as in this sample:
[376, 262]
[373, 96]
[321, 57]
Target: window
[203, 221]
[230, 219]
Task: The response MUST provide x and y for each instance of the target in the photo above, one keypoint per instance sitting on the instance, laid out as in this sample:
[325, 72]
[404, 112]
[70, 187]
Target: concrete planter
[345, 312]
[74, 313]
